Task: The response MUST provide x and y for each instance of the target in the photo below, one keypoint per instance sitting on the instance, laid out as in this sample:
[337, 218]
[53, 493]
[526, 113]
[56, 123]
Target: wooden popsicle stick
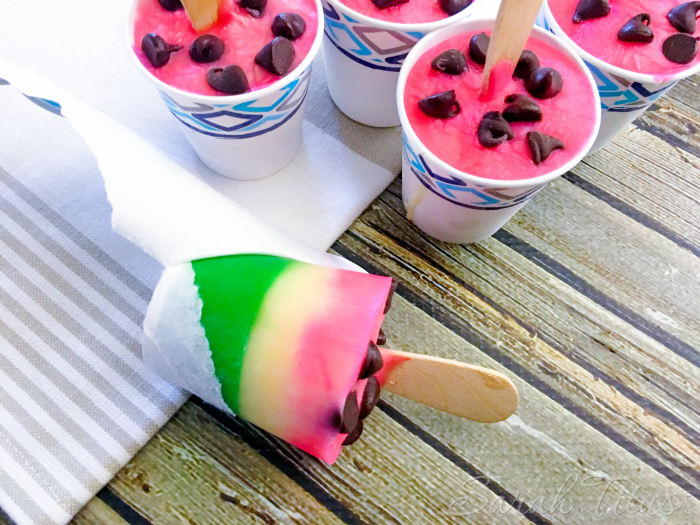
[510, 33]
[469, 391]
[202, 13]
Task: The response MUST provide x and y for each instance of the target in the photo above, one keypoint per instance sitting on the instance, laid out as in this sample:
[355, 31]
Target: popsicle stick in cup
[202, 13]
[512, 29]
[468, 391]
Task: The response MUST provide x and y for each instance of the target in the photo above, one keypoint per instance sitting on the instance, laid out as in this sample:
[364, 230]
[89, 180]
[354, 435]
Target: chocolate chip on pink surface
[255, 8]
[478, 47]
[355, 434]
[289, 25]
[206, 48]
[373, 362]
[452, 62]
[680, 48]
[276, 56]
[350, 415]
[589, 9]
[370, 397]
[157, 50]
[546, 82]
[542, 146]
[493, 130]
[637, 30]
[684, 17]
[522, 108]
[386, 4]
[230, 79]
[171, 5]
[452, 7]
[527, 63]
[440, 105]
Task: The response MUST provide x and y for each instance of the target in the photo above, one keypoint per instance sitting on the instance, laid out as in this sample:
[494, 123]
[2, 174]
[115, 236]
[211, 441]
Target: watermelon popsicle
[286, 345]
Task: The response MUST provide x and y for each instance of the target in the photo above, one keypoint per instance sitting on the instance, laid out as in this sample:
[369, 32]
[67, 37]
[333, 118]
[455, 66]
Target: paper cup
[624, 95]
[457, 207]
[363, 57]
[247, 136]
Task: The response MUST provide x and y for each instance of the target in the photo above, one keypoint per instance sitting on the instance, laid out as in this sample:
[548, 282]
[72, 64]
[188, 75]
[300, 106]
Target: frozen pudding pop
[365, 43]
[476, 151]
[252, 44]
[235, 75]
[288, 346]
[636, 49]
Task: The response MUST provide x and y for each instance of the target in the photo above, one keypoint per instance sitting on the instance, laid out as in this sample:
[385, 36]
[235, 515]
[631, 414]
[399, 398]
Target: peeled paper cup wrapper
[448, 204]
[363, 57]
[243, 137]
[165, 210]
[624, 95]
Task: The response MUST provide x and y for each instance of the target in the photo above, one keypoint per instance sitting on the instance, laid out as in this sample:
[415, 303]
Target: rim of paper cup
[642, 78]
[226, 99]
[398, 26]
[481, 24]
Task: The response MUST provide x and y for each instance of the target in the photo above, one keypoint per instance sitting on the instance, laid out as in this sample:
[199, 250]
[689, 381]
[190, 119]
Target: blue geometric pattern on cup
[49, 105]
[617, 95]
[246, 119]
[370, 46]
[462, 193]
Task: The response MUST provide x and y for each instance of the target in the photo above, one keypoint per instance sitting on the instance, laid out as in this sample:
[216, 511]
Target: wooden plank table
[589, 299]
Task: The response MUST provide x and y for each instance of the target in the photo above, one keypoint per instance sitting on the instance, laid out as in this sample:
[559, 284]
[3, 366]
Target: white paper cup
[363, 57]
[247, 136]
[457, 207]
[624, 95]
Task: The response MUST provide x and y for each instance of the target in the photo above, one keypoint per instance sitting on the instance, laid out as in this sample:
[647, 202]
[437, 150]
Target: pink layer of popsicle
[599, 36]
[570, 116]
[242, 34]
[414, 12]
[334, 349]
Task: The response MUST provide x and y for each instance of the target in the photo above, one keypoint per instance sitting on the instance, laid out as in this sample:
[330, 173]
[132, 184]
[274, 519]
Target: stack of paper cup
[624, 95]
[247, 136]
[454, 206]
[363, 57]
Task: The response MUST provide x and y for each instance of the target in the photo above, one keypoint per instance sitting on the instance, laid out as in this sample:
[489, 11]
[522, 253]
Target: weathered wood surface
[589, 299]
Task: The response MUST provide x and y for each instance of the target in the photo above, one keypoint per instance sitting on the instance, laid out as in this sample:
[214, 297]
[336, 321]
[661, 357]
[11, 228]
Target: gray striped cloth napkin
[76, 403]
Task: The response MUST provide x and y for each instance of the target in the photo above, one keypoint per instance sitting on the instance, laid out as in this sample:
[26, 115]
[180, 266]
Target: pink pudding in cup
[655, 37]
[407, 11]
[252, 45]
[529, 125]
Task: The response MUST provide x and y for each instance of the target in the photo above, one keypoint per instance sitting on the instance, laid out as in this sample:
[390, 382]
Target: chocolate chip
[206, 48]
[390, 297]
[371, 397]
[680, 48]
[381, 338]
[542, 146]
[255, 8]
[522, 108]
[170, 5]
[440, 105]
[350, 415]
[354, 435]
[637, 29]
[526, 65]
[478, 47]
[684, 17]
[493, 130]
[276, 56]
[288, 25]
[452, 7]
[452, 62]
[588, 9]
[546, 82]
[229, 79]
[385, 4]
[157, 50]
[373, 362]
